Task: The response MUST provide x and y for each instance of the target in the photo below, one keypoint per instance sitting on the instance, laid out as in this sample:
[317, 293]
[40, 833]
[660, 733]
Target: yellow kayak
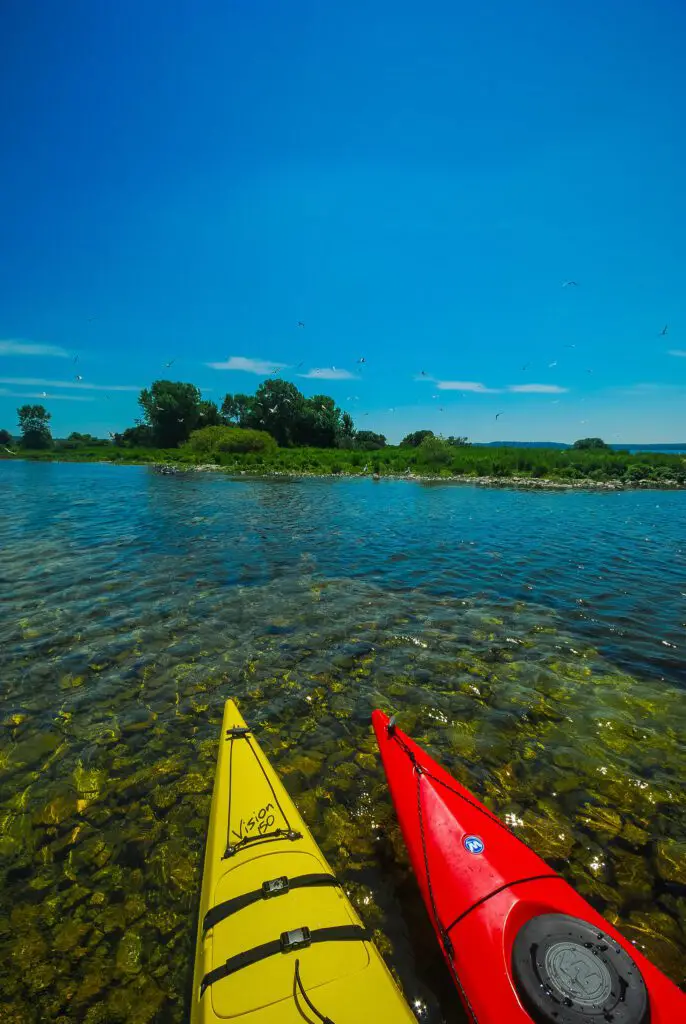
[278, 941]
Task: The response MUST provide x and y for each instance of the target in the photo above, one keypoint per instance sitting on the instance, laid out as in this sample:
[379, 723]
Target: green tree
[368, 441]
[457, 442]
[319, 423]
[34, 424]
[414, 440]
[5, 437]
[277, 407]
[140, 436]
[434, 451]
[237, 408]
[589, 442]
[172, 409]
[346, 433]
[209, 415]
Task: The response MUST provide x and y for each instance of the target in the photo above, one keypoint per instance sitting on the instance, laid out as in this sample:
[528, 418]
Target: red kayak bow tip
[520, 943]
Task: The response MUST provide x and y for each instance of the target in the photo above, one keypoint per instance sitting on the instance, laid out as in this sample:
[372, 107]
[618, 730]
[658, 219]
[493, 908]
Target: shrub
[216, 440]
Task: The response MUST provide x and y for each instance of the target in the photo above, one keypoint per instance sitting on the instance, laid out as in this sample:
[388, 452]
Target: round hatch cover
[568, 972]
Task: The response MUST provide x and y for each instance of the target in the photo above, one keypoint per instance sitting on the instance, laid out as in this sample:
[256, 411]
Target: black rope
[501, 888]
[283, 813]
[297, 984]
[279, 833]
[228, 816]
[472, 803]
[445, 938]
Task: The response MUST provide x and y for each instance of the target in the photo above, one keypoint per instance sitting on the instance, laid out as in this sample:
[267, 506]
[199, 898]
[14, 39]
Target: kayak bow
[520, 943]
[278, 940]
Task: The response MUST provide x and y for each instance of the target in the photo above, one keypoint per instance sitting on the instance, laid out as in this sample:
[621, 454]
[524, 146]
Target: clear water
[534, 642]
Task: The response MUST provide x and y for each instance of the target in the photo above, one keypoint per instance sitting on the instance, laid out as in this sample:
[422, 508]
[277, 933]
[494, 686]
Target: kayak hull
[265, 878]
[482, 885]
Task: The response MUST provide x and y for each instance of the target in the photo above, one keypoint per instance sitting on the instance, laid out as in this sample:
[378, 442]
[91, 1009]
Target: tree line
[174, 412]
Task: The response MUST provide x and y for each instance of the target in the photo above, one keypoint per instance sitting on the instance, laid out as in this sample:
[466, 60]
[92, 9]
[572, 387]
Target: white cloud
[259, 366]
[680, 352]
[38, 382]
[29, 348]
[50, 398]
[538, 389]
[466, 385]
[328, 373]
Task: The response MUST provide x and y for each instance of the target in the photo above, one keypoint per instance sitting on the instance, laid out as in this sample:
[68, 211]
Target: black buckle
[299, 938]
[237, 732]
[275, 887]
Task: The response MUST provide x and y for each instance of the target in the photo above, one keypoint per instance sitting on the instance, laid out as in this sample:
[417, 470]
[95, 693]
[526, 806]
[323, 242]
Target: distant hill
[521, 444]
[560, 445]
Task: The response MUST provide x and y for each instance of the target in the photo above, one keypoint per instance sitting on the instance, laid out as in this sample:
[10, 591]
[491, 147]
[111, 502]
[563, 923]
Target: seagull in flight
[276, 409]
[300, 323]
[567, 284]
[550, 365]
[78, 377]
[498, 414]
[362, 360]
[76, 359]
[170, 363]
[664, 330]
[8, 451]
[43, 394]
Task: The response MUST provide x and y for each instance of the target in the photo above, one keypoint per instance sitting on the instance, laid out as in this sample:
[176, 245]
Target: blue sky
[415, 182]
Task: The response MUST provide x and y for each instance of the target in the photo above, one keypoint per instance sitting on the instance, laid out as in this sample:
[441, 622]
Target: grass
[503, 463]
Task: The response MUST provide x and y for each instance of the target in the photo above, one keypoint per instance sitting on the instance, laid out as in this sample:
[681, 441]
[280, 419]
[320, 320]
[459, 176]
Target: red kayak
[520, 943]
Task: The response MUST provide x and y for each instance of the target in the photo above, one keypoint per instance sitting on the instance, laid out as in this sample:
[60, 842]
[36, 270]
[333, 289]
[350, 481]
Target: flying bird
[526, 366]
[276, 409]
[43, 394]
[550, 365]
[300, 323]
[570, 346]
[566, 284]
[498, 414]
[664, 330]
[423, 373]
[170, 363]
[76, 359]
[8, 451]
[300, 365]
[78, 377]
[362, 360]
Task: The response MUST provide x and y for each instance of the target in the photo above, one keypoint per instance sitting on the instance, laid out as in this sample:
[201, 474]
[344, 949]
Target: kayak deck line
[495, 892]
[522, 945]
[243, 732]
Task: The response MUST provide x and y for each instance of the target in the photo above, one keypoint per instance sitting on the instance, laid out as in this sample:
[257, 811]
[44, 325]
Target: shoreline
[517, 483]
[173, 468]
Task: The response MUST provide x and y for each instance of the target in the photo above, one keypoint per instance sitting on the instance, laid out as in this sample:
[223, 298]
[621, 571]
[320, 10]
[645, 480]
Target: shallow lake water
[533, 641]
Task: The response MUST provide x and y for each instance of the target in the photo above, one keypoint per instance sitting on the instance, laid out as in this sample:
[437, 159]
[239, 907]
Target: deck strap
[299, 938]
[268, 890]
